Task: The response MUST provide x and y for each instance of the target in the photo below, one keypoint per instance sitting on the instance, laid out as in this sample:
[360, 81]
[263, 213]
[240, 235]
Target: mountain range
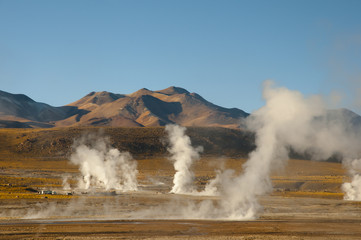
[143, 108]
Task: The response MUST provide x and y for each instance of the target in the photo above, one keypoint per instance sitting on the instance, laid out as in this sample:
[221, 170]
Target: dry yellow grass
[45, 165]
[23, 195]
[295, 180]
[310, 194]
[28, 181]
[27, 187]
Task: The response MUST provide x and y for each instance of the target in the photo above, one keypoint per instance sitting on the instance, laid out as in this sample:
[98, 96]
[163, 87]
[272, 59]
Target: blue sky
[58, 51]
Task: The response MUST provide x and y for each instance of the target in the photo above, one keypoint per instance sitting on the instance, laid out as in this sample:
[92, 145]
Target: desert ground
[306, 203]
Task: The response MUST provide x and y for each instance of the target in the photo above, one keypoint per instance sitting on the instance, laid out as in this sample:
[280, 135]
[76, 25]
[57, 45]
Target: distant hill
[140, 142]
[143, 108]
[20, 111]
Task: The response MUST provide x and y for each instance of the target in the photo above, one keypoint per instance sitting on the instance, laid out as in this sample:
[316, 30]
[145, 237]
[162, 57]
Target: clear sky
[58, 51]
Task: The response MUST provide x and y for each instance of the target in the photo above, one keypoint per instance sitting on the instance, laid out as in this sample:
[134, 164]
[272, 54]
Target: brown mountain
[142, 108]
[20, 111]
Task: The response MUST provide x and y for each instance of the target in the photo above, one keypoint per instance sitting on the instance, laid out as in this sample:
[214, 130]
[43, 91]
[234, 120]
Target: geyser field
[94, 189]
[306, 203]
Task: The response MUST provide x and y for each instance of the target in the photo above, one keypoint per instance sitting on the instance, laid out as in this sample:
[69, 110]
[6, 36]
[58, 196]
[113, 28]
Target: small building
[47, 192]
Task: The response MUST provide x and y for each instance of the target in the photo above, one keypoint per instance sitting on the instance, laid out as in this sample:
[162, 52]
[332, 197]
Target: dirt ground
[306, 204]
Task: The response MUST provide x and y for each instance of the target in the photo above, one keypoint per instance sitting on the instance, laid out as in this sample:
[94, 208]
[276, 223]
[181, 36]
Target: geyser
[183, 156]
[102, 166]
[288, 120]
[286, 113]
[353, 189]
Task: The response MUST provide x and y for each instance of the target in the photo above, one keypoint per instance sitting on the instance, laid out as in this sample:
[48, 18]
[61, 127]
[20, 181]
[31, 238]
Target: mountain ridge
[142, 108]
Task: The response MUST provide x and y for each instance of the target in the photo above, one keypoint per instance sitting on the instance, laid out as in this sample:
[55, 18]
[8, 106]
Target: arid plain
[306, 201]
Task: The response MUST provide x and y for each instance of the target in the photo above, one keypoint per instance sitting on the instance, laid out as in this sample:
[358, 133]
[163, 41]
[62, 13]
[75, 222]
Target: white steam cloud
[183, 156]
[353, 189]
[102, 166]
[291, 121]
[288, 120]
[280, 123]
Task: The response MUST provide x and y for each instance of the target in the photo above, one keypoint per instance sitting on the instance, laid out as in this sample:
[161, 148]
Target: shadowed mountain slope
[18, 110]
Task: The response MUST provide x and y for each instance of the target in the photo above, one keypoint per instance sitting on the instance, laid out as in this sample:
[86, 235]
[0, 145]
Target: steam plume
[66, 185]
[353, 189]
[290, 120]
[285, 113]
[183, 155]
[102, 166]
[287, 121]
